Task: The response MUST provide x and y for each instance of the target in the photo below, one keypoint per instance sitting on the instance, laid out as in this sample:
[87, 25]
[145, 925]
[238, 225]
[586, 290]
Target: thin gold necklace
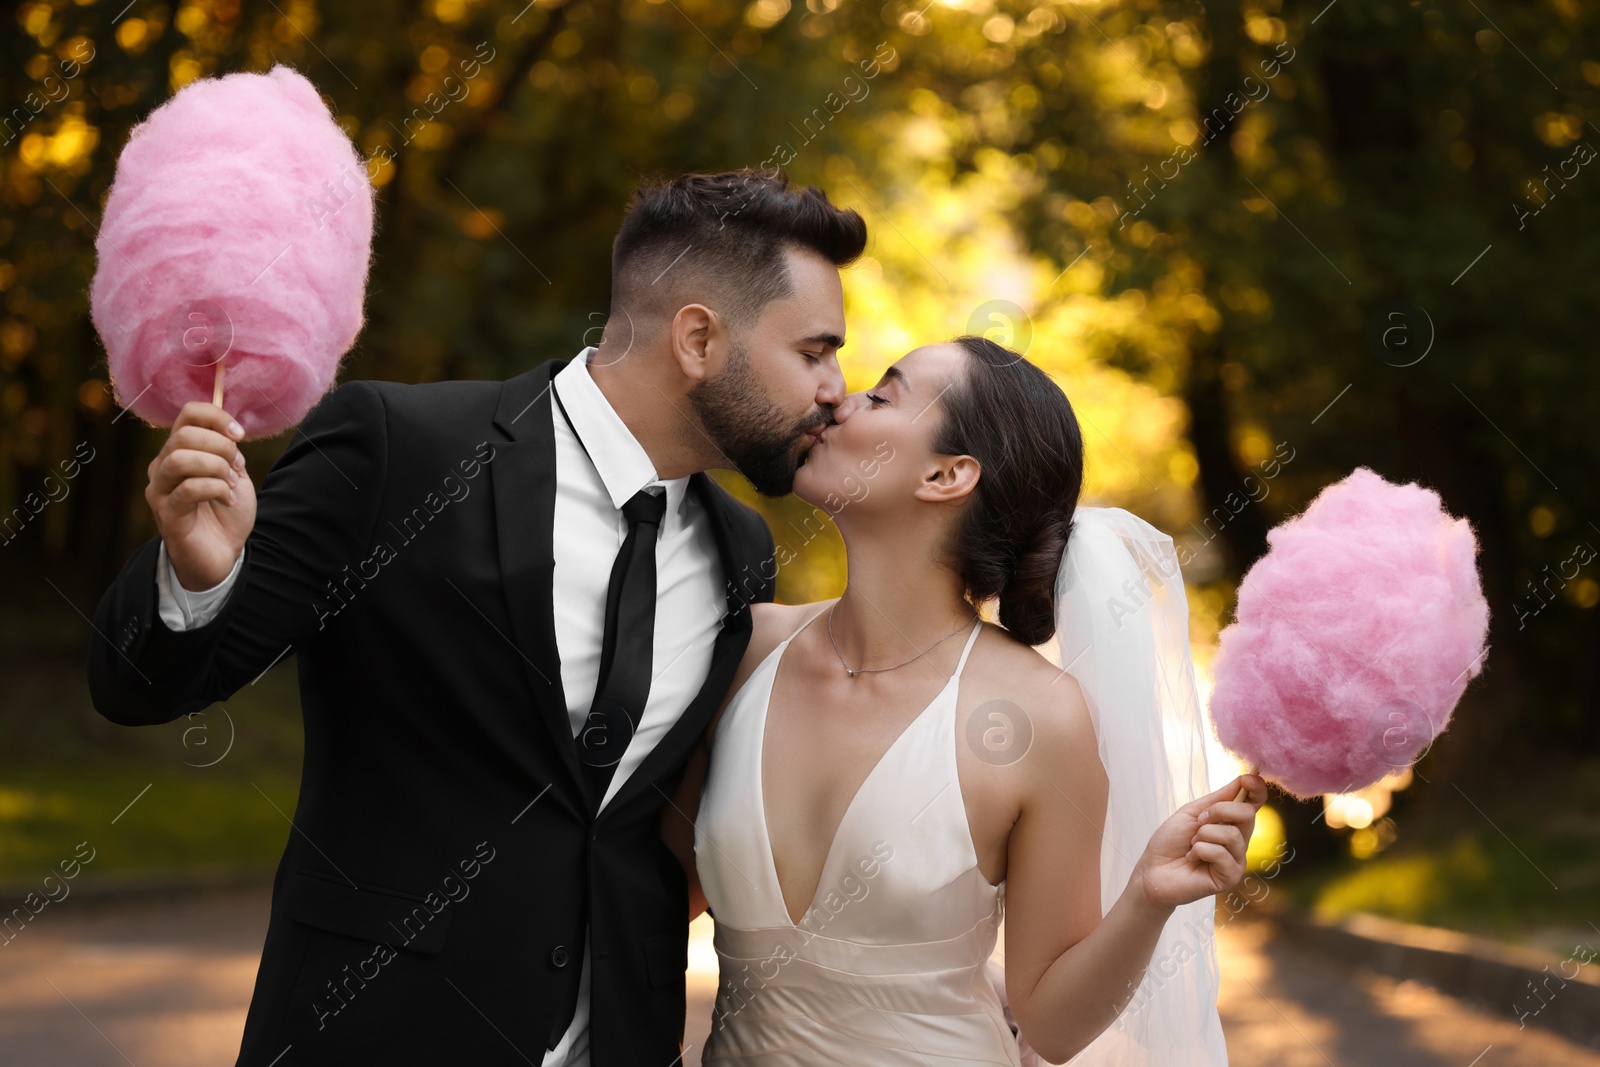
[852, 671]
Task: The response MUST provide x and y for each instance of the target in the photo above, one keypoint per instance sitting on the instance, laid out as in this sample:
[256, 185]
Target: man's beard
[748, 428]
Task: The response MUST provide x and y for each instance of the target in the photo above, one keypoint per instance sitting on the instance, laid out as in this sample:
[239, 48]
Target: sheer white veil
[1122, 631]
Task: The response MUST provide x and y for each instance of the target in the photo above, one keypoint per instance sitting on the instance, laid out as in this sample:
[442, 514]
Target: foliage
[1264, 184]
[1199, 220]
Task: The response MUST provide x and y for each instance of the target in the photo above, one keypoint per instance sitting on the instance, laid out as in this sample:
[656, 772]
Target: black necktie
[625, 651]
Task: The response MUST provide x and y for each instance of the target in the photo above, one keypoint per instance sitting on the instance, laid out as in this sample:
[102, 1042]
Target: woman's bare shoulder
[1046, 699]
[770, 625]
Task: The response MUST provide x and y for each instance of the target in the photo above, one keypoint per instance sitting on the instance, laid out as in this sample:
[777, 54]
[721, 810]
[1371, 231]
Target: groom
[515, 606]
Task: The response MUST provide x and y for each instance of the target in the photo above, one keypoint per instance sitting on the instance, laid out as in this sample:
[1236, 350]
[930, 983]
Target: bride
[890, 775]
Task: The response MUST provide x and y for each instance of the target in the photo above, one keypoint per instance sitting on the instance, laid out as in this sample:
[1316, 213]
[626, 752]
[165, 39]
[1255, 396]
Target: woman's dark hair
[719, 239]
[1018, 424]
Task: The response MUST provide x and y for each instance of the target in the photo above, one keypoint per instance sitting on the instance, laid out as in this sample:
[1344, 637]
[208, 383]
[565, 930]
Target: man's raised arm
[315, 514]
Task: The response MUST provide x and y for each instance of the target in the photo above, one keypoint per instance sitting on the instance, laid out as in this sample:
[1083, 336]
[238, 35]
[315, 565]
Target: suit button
[559, 956]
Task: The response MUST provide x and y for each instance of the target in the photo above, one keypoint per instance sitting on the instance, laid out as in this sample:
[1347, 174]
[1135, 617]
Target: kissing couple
[552, 711]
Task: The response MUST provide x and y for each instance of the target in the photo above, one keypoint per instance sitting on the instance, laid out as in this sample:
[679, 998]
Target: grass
[138, 822]
[1522, 868]
[210, 792]
[1520, 863]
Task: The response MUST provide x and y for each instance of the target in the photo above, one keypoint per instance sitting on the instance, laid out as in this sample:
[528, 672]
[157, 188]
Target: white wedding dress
[889, 963]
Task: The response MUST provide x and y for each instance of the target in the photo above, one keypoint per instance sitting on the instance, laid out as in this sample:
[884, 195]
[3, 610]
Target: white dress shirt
[589, 530]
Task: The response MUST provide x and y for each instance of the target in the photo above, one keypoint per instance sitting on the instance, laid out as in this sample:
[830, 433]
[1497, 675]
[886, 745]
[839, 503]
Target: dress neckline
[770, 667]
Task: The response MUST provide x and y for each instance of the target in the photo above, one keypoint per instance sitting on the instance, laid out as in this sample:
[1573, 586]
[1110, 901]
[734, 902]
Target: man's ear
[697, 342]
[949, 480]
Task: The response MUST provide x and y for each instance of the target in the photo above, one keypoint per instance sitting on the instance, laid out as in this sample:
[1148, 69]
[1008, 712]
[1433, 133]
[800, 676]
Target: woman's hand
[1199, 851]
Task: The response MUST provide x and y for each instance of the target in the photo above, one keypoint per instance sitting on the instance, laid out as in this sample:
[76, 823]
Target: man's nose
[831, 392]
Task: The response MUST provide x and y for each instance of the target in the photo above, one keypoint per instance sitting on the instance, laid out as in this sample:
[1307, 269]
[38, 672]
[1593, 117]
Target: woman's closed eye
[876, 400]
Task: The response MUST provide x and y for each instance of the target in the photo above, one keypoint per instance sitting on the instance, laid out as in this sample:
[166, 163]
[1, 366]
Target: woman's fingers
[1212, 853]
[1229, 837]
[1219, 833]
[1228, 811]
[1255, 788]
[1255, 794]
[1222, 846]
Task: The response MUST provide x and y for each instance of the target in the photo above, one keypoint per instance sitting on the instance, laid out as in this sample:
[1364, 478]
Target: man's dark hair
[719, 240]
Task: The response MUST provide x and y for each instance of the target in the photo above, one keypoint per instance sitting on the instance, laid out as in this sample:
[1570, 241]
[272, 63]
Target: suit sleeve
[315, 513]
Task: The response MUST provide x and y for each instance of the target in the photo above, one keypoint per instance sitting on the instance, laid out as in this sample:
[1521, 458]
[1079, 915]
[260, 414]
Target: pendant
[850, 672]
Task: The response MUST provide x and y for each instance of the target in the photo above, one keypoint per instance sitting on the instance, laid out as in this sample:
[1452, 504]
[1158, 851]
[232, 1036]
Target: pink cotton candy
[1354, 637]
[239, 227]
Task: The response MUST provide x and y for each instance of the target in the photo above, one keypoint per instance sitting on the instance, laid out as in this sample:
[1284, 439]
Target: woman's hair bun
[1020, 427]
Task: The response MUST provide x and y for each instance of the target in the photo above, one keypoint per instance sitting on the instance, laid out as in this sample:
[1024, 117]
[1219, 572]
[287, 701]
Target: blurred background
[1258, 244]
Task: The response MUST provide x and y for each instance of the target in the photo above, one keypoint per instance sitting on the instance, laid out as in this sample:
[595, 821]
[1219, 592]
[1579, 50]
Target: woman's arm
[1069, 972]
[677, 823]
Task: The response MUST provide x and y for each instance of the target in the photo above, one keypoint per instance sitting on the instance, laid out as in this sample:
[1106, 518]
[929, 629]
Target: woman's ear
[950, 480]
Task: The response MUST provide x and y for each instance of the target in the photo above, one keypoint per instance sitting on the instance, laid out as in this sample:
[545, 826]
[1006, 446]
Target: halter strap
[977, 628]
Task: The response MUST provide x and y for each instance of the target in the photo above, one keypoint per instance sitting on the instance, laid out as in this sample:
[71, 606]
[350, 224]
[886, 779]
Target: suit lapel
[732, 639]
[523, 475]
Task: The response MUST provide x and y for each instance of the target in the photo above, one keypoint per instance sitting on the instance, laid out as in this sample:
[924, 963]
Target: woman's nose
[847, 407]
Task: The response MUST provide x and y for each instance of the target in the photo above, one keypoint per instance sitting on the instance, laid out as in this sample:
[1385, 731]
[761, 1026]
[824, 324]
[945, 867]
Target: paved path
[91, 985]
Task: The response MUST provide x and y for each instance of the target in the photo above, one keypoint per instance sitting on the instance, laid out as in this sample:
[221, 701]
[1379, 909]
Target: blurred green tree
[1357, 230]
[503, 139]
[1345, 234]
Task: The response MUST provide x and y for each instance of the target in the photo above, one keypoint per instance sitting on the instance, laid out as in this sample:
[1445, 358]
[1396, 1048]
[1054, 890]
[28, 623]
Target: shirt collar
[618, 457]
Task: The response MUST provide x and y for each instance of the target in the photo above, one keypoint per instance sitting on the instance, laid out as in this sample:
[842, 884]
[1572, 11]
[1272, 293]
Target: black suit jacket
[430, 905]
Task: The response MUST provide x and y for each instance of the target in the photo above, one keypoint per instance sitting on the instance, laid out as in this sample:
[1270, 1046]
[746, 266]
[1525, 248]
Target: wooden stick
[216, 388]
